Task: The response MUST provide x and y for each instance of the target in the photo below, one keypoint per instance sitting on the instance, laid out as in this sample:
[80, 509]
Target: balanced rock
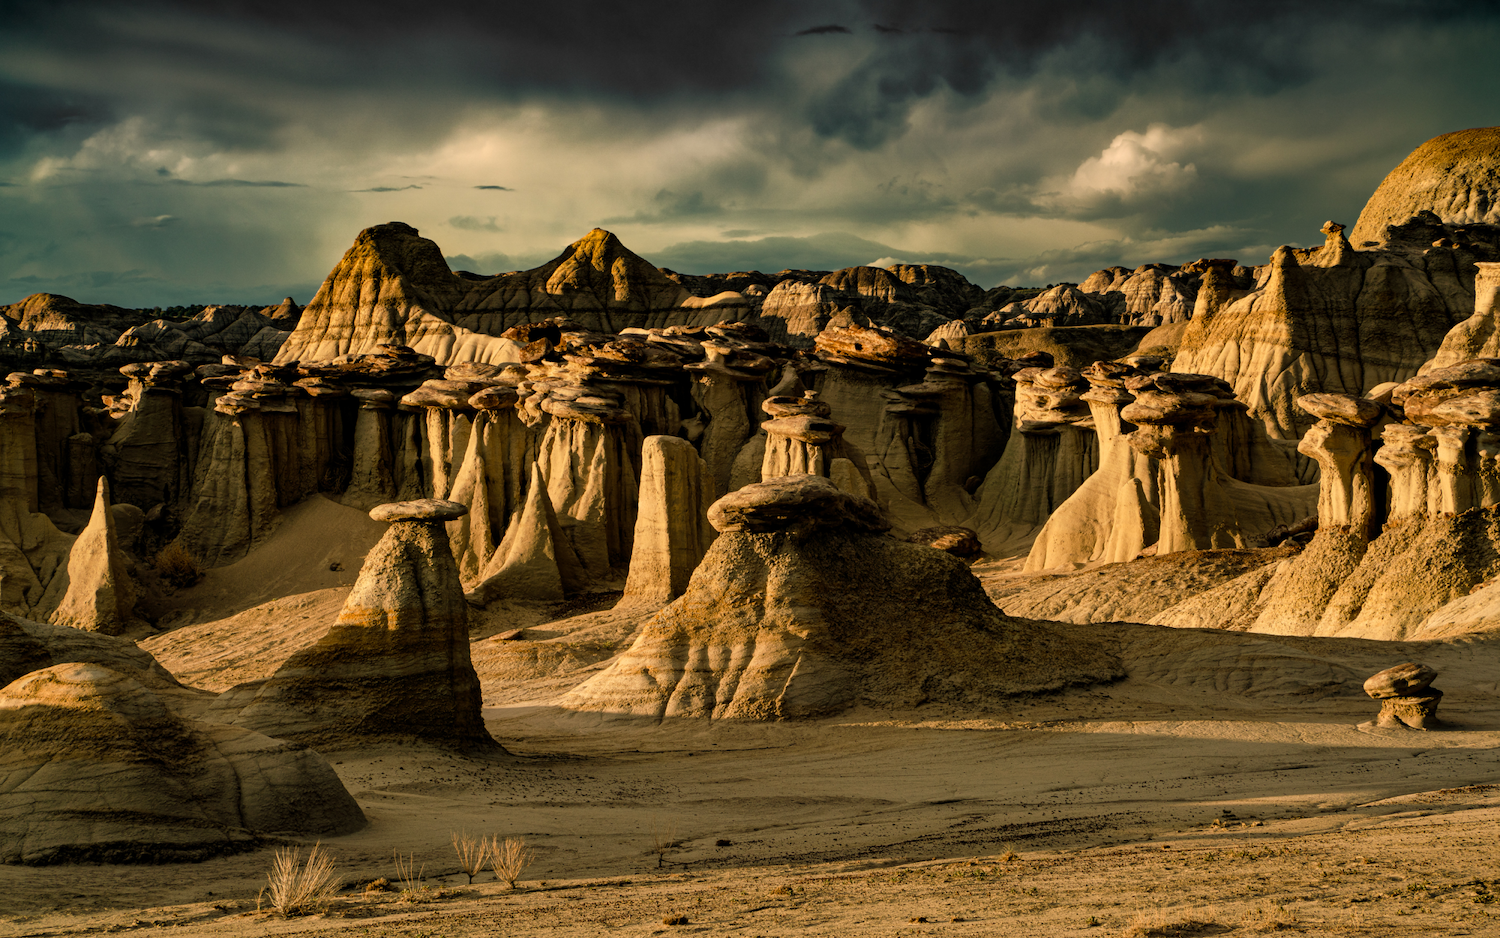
[95, 768]
[801, 608]
[395, 664]
[1407, 699]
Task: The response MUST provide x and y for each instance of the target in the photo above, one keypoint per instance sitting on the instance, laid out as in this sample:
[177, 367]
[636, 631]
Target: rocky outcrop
[27, 646]
[94, 767]
[1456, 176]
[33, 552]
[394, 286]
[1479, 335]
[395, 664]
[802, 608]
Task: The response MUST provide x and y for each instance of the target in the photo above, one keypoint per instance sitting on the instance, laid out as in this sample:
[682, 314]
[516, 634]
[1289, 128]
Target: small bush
[472, 852]
[510, 858]
[177, 566]
[295, 888]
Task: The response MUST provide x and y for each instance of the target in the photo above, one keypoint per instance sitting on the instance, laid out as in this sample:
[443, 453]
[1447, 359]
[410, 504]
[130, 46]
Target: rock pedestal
[1407, 699]
[395, 664]
[672, 530]
[803, 608]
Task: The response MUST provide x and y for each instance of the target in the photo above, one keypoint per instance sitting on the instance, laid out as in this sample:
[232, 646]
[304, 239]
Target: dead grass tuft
[1267, 918]
[297, 888]
[1158, 924]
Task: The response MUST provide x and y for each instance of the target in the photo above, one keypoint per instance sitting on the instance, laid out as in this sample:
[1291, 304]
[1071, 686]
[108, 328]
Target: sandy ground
[1226, 787]
[859, 825]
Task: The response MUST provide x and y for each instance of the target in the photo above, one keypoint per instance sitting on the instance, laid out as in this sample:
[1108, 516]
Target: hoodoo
[803, 608]
[395, 664]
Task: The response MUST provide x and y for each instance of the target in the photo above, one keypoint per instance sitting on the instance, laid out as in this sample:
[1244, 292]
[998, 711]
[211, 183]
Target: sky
[163, 153]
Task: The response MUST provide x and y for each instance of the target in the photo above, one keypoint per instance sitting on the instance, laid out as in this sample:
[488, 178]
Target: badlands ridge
[445, 551]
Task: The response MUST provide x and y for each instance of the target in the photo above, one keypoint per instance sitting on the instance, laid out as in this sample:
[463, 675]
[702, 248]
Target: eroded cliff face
[1333, 319]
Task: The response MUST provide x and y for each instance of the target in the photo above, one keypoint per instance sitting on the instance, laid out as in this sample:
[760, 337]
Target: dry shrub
[175, 564]
[295, 888]
[472, 852]
[663, 839]
[510, 858]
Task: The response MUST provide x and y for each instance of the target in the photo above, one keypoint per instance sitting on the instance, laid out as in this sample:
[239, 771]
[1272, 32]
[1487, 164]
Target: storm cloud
[156, 153]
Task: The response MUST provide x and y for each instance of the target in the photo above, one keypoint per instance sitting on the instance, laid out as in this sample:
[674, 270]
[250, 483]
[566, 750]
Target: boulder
[1407, 701]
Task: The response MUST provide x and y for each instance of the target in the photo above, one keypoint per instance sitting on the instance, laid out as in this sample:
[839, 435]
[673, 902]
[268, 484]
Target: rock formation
[395, 664]
[1456, 176]
[27, 646]
[1407, 701]
[1052, 449]
[100, 596]
[1332, 319]
[671, 530]
[802, 608]
[94, 767]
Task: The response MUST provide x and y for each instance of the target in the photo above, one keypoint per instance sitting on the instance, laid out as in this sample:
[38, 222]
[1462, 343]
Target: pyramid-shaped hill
[1455, 176]
[804, 608]
[393, 286]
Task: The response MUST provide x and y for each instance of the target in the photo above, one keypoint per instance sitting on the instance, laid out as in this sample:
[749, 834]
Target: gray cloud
[471, 223]
[954, 128]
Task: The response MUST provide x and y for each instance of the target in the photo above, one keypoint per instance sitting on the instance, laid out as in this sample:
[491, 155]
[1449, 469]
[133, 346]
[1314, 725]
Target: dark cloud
[963, 124]
[473, 223]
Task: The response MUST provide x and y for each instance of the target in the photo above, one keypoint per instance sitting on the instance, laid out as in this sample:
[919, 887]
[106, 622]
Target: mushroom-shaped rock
[1342, 408]
[1407, 699]
[419, 509]
[94, 767]
[395, 664]
[801, 502]
[801, 609]
[1341, 443]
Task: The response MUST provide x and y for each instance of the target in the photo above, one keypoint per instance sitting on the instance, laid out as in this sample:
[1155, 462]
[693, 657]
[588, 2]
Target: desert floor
[1050, 823]
[1226, 787]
